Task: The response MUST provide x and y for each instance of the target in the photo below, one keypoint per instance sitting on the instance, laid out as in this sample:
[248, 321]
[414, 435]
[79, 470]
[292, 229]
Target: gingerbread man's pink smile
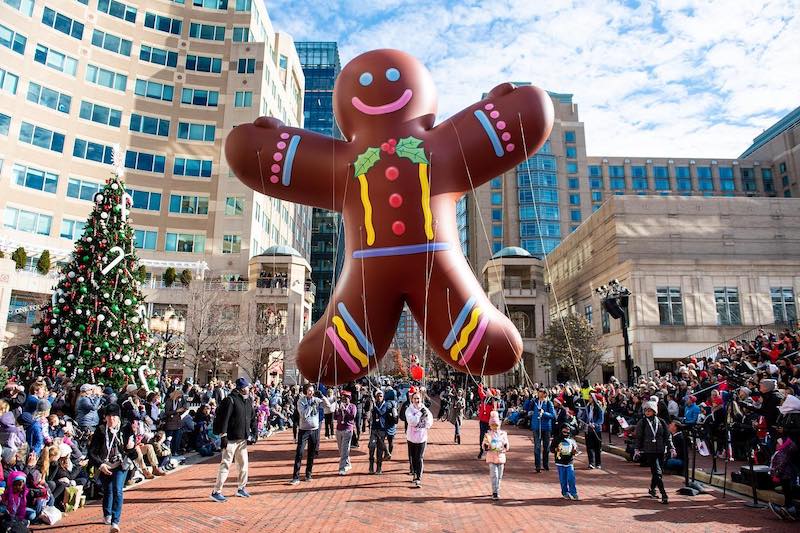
[385, 108]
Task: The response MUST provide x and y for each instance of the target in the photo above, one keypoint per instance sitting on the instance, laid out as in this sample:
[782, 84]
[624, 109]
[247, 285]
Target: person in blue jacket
[593, 416]
[541, 413]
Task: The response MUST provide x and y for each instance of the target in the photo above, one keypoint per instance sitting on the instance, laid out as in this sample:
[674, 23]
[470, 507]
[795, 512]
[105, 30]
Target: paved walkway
[454, 497]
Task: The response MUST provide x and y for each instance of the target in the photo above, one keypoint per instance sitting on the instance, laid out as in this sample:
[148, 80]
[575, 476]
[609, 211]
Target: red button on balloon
[398, 227]
[395, 200]
[392, 173]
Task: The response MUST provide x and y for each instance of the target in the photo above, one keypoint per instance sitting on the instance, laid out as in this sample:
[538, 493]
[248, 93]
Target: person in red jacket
[488, 403]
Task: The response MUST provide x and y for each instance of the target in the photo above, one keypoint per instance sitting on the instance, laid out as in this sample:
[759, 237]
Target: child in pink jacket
[495, 444]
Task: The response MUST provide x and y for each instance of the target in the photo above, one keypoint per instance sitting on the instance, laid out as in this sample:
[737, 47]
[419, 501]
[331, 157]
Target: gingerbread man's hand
[502, 90]
[289, 163]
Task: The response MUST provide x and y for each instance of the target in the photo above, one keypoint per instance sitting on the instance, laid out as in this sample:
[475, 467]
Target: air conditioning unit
[649, 161]
[691, 162]
[713, 162]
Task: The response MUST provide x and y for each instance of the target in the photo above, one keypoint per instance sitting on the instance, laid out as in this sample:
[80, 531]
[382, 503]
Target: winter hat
[653, 406]
[8, 455]
[346, 393]
[112, 409]
[86, 387]
[43, 406]
[242, 383]
[130, 389]
[494, 419]
[769, 384]
[745, 390]
[693, 398]
[773, 369]
[64, 450]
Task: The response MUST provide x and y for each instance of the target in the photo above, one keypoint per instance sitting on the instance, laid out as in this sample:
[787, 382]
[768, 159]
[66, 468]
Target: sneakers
[107, 520]
[664, 499]
[652, 493]
[599, 467]
[782, 512]
[776, 509]
[574, 497]
[307, 478]
[417, 484]
[294, 481]
[342, 472]
[242, 493]
[347, 468]
[218, 497]
[566, 496]
[495, 496]
[114, 528]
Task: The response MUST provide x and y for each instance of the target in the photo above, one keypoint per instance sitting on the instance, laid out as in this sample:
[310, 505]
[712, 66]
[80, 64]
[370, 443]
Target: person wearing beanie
[236, 422]
[654, 441]
[593, 415]
[565, 449]
[771, 399]
[495, 444]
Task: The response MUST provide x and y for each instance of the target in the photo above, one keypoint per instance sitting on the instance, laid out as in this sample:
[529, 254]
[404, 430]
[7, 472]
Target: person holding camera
[308, 411]
[654, 441]
[378, 428]
[110, 450]
[420, 420]
[86, 409]
[345, 416]
[236, 423]
[542, 413]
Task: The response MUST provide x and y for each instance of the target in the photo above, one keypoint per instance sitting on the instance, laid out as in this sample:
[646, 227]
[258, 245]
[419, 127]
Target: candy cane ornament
[123, 205]
[143, 377]
[117, 260]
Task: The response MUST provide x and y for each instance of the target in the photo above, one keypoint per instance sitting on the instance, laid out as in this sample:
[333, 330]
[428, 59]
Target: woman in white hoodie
[419, 419]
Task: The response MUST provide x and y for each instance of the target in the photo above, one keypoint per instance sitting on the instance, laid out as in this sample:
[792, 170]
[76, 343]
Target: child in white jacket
[420, 420]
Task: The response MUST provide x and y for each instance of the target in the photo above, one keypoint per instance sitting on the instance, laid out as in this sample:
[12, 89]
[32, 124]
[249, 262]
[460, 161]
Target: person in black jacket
[654, 441]
[237, 425]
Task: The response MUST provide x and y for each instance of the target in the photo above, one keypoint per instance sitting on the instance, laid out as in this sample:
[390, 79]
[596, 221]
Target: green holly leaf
[408, 147]
[367, 160]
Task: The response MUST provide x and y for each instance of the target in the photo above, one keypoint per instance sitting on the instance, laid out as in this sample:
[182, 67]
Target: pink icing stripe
[476, 339]
[385, 108]
[342, 351]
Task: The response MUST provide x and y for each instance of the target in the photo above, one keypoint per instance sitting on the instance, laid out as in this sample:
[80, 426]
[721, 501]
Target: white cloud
[666, 78]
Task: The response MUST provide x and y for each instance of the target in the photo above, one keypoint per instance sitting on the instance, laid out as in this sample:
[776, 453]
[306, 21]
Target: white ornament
[97, 350]
[127, 301]
[53, 321]
[70, 357]
[71, 275]
[45, 349]
[61, 300]
[79, 311]
[77, 333]
[114, 333]
[106, 295]
[102, 369]
[135, 319]
[125, 359]
[80, 371]
[125, 341]
[57, 362]
[36, 331]
[99, 197]
[88, 239]
[61, 341]
[81, 279]
[114, 186]
[116, 357]
[101, 317]
[104, 215]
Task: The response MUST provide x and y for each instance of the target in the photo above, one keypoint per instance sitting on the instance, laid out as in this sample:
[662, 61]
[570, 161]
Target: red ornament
[417, 373]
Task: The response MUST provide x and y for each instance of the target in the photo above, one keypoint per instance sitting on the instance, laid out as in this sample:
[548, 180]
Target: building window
[184, 166]
[106, 78]
[617, 184]
[200, 97]
[211, 4]
[154, 90]
[682, 172]
[62, 23]
[572, 152]
[246, 66]
[497, 215]
[727, 300]
[117, 9]
[27, 221]
[23, 6]
[144, 161]
[662, 184]
[36, 179]
[595, 171]
[234, 206]
[660, 172]
[72, 229]
[588, 313]
[569, 137]
[497, 198]
[574, 199]
[616, 171]
[196, 132]
[573, 183]
[145, 239]
[204, 63]
[188, 205]
[112, 43]
[55, 60]
[243, 99]
[572, 168]
[242, 35]
[206, 32]
[51, 98]
[158, 56]
[640, 184]
[243, 5]
[13, 40]
[705, 184]
[5, 126]
[605, 320]
[670, 306]
[82, 190]
[100, 114]
[146, 200]
[162, 23]
[597, 196]
[595, 183]
[684, 184]
[92, 151]
[575, 215]
[766, 178]
[497, 230]
[149, 125]
[783, 305]
[8, 82]
[185, 242]
[638, 171]
[41, 137]
[496, 246]
[497, 183]
[231, 244]
[704, 172]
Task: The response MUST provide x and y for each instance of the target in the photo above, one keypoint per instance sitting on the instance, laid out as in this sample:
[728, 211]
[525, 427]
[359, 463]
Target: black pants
[484, 429]
[415, 452]
[312, 437]
[655, 461]
[377, 446]
[593, 447]
[389, 443]
[788, 492]
[330, 431]
[356, 428]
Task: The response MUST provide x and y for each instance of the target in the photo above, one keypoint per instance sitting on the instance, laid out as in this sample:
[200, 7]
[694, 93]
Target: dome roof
[512, 251]
[279, 250]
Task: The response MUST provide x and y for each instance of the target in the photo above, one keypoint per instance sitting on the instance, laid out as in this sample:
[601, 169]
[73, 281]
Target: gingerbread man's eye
[392, 74]
[365, 79]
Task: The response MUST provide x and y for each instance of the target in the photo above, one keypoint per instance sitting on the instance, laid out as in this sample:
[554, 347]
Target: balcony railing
[231, 286]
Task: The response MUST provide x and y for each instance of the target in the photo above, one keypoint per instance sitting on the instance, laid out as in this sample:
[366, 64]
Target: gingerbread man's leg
[464, 328]
[343, 345]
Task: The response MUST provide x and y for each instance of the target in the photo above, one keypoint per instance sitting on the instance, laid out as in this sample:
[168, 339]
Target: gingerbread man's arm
[289, 163]
[491, 136]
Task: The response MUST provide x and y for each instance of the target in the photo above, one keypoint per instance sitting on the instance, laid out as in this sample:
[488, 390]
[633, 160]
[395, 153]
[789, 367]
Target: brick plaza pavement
[454, 496]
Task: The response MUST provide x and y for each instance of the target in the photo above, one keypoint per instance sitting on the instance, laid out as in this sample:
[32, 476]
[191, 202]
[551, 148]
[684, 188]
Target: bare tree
[205, 324]
[261, 332]
[572, 345]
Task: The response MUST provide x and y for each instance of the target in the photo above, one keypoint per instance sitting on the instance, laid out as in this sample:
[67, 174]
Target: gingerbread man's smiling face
[382, 88]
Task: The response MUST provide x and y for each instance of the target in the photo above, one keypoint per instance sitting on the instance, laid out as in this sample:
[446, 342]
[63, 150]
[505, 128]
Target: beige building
[700, 270]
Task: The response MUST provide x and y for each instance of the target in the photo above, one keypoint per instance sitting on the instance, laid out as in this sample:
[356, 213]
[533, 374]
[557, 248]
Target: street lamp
[615, 297]
[169, 329]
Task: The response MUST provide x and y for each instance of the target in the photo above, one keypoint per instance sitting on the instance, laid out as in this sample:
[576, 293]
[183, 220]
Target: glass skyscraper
[321, 66]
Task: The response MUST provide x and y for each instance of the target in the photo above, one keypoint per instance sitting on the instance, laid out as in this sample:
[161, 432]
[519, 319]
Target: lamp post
[169, 329]
[614, 298]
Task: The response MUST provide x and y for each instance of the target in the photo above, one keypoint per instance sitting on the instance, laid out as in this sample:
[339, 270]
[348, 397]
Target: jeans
[484, 429]
[416, 451]
[541, 445]
[654, 460]
[457, 425]
[305, 435]
[593, 447]
[496, 474]
[343, 442]
[566, 476]
[236, 450]
[112, 494]
[377, 441]
[175, 445]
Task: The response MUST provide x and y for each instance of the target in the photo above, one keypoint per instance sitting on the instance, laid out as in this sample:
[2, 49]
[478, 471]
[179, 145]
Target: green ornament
[106, 345]
[128, 370]
[117, 208]
[87, 353]
[115, 308]
[85, 259]
[134, 301]
[81, 328]
[62, 369]
[56, 311]
[51, 342]
[83, 289]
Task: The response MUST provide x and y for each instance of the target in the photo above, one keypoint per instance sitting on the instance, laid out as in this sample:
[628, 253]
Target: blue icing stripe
[462, 317]
[362, 339]
[402, 250]
[287, 167]
[489, 129]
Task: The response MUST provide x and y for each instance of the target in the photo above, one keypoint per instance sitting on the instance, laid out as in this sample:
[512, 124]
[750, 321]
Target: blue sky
[651, 78]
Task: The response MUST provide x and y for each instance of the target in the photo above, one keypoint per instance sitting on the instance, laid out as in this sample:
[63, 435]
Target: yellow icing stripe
[351, 342]
[462, 340]
[426, 200]
[362, 179]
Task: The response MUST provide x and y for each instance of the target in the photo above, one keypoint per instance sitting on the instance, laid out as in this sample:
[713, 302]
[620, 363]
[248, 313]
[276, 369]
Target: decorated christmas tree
[94, 328]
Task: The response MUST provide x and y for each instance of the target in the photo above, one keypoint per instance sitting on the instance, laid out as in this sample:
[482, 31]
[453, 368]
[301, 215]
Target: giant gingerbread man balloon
[396, 179]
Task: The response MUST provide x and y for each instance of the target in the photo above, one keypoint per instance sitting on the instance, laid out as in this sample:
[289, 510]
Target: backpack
[392, 416]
